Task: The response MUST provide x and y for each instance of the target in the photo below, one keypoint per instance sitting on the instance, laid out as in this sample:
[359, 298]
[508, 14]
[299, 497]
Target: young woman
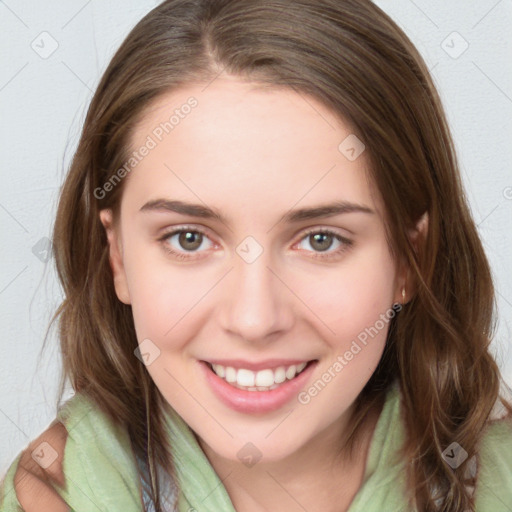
[275, 295]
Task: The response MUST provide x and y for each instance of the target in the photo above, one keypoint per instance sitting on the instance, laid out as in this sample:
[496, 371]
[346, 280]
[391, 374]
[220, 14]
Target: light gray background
[42, 105]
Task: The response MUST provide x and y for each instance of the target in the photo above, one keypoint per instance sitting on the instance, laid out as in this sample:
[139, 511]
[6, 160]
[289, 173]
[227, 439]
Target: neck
[317, 477]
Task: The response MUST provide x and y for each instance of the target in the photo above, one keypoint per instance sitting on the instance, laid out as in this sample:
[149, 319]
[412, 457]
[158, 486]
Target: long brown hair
[349, 55]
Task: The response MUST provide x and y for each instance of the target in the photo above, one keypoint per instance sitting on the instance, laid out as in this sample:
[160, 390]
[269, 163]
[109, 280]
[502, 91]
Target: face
[251, 279]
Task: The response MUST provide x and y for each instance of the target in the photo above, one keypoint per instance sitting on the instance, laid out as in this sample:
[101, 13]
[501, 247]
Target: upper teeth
[263, 378]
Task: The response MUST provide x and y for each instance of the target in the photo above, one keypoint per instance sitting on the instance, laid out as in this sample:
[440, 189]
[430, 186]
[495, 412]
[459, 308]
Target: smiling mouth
[266, 379]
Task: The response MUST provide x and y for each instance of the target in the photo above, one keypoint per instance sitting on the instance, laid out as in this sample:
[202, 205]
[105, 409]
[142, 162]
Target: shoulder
[82, 457]
[38, 469]
[494, 481]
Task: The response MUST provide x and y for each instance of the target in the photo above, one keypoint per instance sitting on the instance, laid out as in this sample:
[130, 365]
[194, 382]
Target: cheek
[164, 296]
[355, 311]
[354, 297]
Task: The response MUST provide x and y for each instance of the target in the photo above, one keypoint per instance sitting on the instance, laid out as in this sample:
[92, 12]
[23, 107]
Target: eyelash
[346, 243]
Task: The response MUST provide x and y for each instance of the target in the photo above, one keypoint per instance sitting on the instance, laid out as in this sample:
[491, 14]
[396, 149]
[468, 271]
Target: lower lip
[254, 402]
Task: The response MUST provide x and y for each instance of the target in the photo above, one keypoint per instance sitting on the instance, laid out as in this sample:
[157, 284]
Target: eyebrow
[198, 210]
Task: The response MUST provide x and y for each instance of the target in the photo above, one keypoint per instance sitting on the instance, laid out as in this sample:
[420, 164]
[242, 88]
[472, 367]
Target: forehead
[239, 142]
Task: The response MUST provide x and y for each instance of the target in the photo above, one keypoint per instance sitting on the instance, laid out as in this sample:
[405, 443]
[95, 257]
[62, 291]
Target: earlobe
[115, 256]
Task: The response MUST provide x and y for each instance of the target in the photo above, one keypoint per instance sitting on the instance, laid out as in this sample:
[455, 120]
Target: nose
[257, 305]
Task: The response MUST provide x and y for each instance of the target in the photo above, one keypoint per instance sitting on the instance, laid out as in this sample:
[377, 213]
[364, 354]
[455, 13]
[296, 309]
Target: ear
[115, 256]
[405, 282]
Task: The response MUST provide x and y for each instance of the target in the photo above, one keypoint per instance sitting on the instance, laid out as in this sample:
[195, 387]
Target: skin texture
[255, 154]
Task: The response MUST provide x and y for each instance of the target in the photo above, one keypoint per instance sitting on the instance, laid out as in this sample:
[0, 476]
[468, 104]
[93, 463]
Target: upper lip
[260, 365]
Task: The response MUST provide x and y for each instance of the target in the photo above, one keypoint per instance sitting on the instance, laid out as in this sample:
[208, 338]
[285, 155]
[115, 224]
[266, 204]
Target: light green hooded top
[101, 470]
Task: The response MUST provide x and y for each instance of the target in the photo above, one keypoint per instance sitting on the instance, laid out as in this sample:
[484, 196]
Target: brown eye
[321, 241]
[186, 243]
[190, 240]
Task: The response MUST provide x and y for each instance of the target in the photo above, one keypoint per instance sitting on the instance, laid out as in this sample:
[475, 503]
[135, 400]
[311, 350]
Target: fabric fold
[201, 487]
